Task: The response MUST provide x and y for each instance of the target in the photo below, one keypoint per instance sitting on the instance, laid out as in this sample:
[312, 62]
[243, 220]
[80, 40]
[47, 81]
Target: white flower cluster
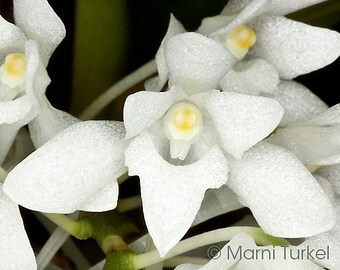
[222, 123]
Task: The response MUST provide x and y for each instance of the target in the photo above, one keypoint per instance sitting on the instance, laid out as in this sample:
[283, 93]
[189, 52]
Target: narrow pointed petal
[292, 47]
[330, 245]
[247, 78]
[69, 170]
[196, 63]
[299, 103]
[156, 84]
[241, 120]
[39, 22]
[274, 184]
[217, 202]
[15, 249]
[144, 108]
[178, 190]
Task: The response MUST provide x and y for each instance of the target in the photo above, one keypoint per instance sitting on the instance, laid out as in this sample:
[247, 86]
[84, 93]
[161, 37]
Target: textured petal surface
[299, 103]
[39, 22]
[247, 77]
[48, 123]
[196, 63]
[15, 249]
[278, 7]
[104, 199]
[217, 202]
[245, 13]
[156, 84]
[311, 144]
[62, 175]
[276, 186]
[332, 174]
[241, 120]
[292, 47]
[329, 244]
[144, 108]
[11, 38]
[178, 190]
[212, 24]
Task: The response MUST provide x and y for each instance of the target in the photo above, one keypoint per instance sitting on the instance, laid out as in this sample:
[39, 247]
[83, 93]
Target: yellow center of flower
[183, 122]
[15, 65]
[185, 119]
[239, 40]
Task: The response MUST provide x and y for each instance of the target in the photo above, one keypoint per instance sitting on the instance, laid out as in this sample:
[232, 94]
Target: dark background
[148, 21]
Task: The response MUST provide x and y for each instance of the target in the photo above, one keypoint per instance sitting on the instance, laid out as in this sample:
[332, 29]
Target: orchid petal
[196, 63]
[66, 172]
[217, 202]
[241, 120]
[178, 190]
[11, 38]
[311, 144]
[156, 84]
[144, 108]
[277, 7]
[299, 103]
[247, 78]
[329, 244]
[245, 13]
[276, 186]
[104, 199]
[292, 47]
[39, 22]
[332, 174]
[15, 249]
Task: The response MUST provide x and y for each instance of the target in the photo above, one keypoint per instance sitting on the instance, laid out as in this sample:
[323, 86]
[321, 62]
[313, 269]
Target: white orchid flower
[257, 29]
[182, 137]
[315, 141]
[242, 253]
[25, 49]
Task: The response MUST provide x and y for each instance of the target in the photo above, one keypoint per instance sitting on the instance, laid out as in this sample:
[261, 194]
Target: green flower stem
[208, 238]
[76, 228]
[119, 88]
[128, 204]
[110, 230]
